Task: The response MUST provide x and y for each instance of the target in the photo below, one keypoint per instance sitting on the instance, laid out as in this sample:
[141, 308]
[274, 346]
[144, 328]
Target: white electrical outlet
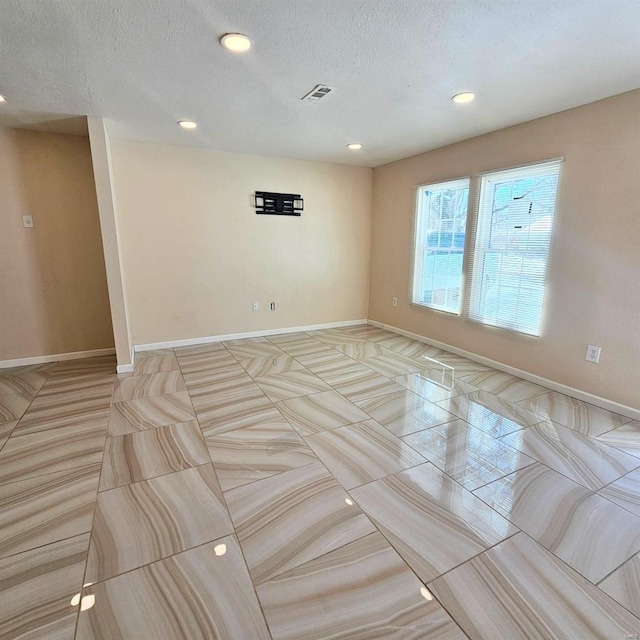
[394, 302]
[256, 306]
[593, 354]
[27, 222]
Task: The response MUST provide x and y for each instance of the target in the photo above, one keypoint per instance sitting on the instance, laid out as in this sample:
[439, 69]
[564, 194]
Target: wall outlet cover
[593, 354]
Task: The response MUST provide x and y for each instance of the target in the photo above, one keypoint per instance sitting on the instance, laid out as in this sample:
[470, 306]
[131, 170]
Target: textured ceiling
[145, 64]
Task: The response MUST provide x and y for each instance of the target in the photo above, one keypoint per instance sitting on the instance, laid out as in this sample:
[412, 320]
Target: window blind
[512, 234]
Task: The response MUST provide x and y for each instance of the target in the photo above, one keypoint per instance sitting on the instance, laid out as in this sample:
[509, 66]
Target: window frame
[418, 250]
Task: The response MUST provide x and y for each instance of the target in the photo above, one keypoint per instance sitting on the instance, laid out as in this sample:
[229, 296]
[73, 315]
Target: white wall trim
[124, 368]
[610, 405]
[190, 342]
[75, 355]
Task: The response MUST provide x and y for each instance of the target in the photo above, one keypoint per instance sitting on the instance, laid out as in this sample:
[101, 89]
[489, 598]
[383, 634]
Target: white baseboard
[75, 355]
[190, 342]
[610, 405]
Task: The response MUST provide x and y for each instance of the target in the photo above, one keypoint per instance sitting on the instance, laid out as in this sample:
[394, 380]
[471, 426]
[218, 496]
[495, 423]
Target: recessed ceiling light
[188, 124]
[236, 42]
[3, 99]
[354, 146]
[461, 98]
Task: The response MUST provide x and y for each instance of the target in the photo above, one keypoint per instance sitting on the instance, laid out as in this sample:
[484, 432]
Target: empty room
[320, 320]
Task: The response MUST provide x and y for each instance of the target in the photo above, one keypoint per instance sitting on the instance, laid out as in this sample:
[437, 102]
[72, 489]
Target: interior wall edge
[56, 357]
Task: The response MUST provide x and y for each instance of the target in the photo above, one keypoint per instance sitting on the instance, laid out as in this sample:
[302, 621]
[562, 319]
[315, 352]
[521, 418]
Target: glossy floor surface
[348, 483]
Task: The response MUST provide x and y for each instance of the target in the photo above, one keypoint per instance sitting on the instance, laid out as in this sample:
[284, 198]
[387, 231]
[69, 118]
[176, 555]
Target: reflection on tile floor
[301, 486]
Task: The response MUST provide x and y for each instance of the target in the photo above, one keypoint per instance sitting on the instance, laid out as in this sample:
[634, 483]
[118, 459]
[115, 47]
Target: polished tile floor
[347, 483]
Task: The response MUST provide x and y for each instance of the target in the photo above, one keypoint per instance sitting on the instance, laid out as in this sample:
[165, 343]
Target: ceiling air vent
[318, 92]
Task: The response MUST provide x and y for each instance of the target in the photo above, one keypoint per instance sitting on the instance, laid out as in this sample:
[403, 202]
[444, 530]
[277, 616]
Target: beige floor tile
[47, 508]
[332, 368]
[505, 386]
[404, 412]
[270, 365]
[623, 585]
[319, 412]
[37, 587]
[575, 414]
[578, 457]
[200, 594]
[266, 449]
[431, 390]
[367, 588]
[148, 413]
[291, 384]
[364, 384]
[6, 429]
[517, 590]
[361, 350]
[249, 348]
[625, 492]
[391, 365]
[27, 383]
[150, 453]
[207, 394]
[626, 438]
[292, 518]
[36, 454]
[145, 363]
[237, 412]
[150, 520]
[591, 534]
[494, 415]
[431, 521]
[151, 384]
[469, 455]
[13, 406]
[362, 452]
[459, 365]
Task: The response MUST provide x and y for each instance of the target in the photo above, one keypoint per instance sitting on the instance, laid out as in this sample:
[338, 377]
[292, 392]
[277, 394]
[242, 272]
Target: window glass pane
[514, 228]
[439, 250]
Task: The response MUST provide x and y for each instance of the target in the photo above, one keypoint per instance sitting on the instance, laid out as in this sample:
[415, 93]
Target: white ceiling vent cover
[318, 92]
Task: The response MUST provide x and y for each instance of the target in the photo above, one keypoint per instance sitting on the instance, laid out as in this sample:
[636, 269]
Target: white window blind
[513, 232]
[441, 220]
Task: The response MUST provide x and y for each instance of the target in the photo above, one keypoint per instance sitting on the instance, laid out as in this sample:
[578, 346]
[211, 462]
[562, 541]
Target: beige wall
[593, 295]
[196, 255]
[53, 294]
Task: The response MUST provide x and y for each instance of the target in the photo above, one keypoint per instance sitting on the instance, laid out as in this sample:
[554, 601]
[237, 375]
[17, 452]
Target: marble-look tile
[404, 412]
[317, 356]
[488, 412]
[151, 384]
[505, 386]
[169, 351]
[36, 588]
[575, 414]
[150, 520]
[520, 591]
[626, 438]
[206, 394]
[468, 455]
[67, 405]
[27, 383]
[432, 390]
[290, 338]
[13, 406]
[148, 413]
[405, 346]
[336, 337]
[391, 365]
[235, 413]
[591, 534]
[623, 585]
[154, 364]
[208, 366]
[292, 518]
[47, 508]
[362, 452]
[199, 349]
[317, 599]
[339, 370]
[292, 384]
[246, 455]
[270, 365]
[36, 454]
[625, 492]
[363, 331]
[459, 365]
[249, 348]
[6, 429]
[363, 384]
[578, 457]
[361, 350]
[433, 522]
[100, 365]
[150, 453]
[200, 594]
[319, 412]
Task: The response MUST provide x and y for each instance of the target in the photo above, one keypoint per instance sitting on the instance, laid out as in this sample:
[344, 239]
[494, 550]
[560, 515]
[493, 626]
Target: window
[441, 220]
[509, 264]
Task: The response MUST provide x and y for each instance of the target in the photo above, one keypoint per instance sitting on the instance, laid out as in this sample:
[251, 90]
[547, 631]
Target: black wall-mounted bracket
[279, 204]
